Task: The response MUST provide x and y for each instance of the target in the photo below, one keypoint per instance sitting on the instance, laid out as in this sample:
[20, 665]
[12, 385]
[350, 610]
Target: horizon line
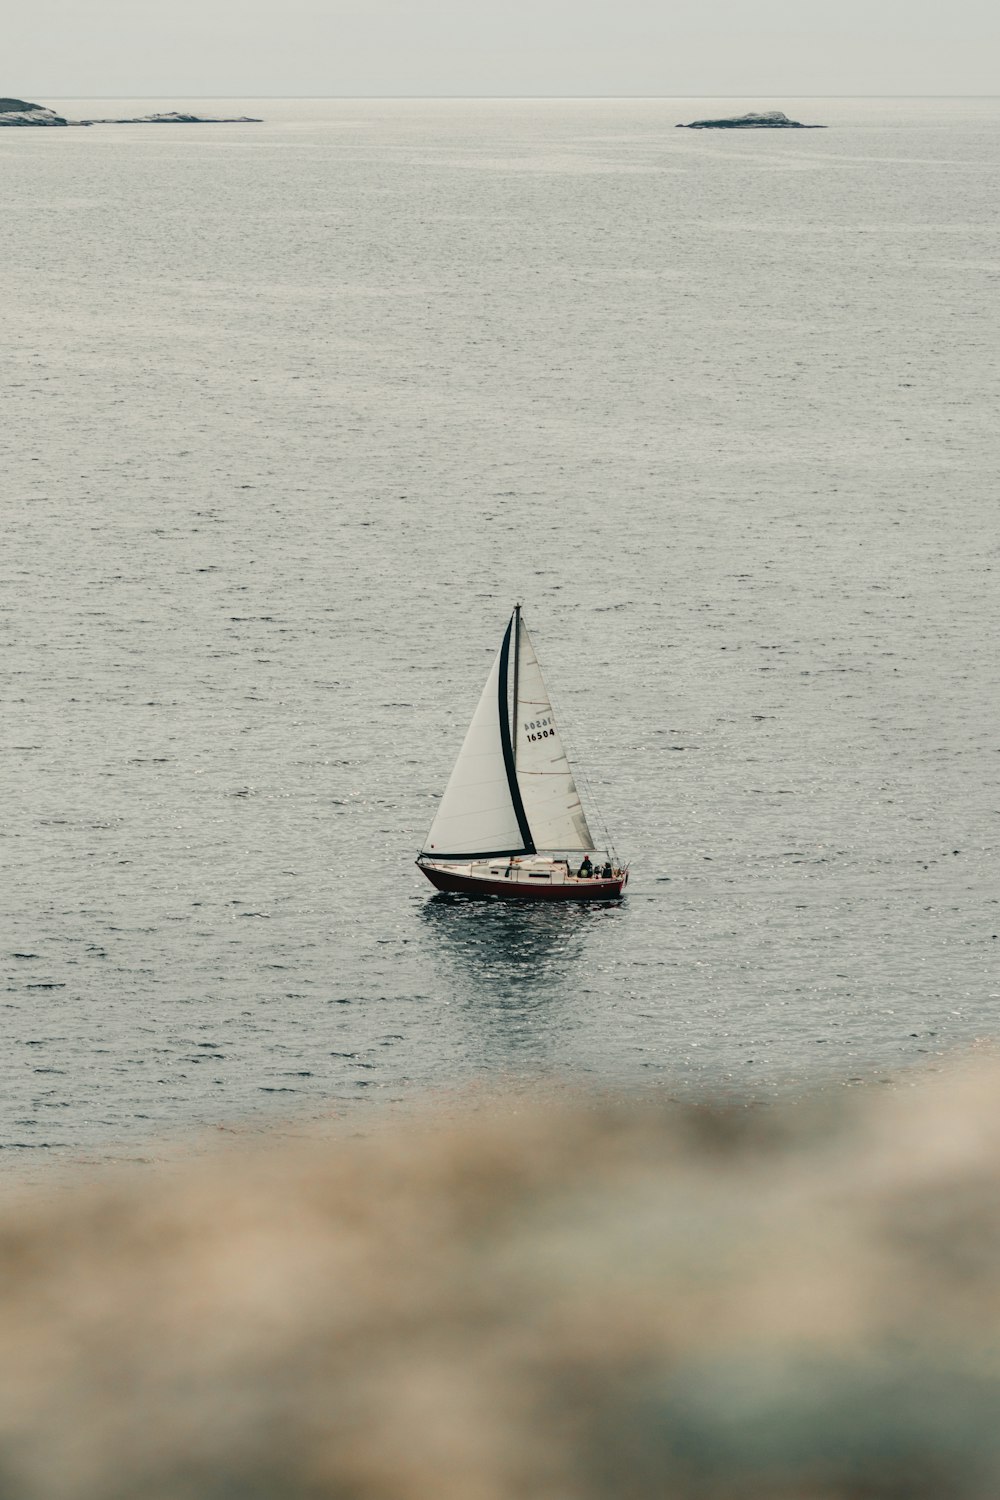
[707, 94]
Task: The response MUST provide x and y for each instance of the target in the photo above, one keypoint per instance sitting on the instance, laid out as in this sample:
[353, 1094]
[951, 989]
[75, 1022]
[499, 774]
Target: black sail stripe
[516, 623]
[505, 740]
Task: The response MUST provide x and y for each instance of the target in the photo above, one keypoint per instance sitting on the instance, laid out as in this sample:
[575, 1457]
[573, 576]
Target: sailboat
[511, 822]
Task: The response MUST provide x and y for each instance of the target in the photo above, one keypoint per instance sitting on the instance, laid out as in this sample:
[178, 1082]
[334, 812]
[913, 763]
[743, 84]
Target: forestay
[551, 801]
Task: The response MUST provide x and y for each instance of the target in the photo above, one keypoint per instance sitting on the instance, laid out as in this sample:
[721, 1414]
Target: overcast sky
[75, 48]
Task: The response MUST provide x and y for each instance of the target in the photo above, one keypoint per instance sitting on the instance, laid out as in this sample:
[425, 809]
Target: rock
[21, 112]
[173, 117]
[772, 120]
[530, 1297]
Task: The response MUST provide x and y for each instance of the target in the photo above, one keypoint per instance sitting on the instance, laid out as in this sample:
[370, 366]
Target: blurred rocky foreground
[561, 1300]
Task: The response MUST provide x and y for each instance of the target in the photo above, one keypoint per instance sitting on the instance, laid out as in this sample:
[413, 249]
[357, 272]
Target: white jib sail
[551, 801]
[476, 814]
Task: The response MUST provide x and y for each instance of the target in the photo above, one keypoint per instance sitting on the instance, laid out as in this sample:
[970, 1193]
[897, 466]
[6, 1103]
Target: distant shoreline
[488, 98]
[22, 114]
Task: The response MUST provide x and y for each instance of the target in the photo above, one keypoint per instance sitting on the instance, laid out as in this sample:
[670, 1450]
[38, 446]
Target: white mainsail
[551, 801]
[476, 815]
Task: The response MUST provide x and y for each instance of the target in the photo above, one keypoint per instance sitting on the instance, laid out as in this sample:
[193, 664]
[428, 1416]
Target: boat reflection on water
[515, 968]
[509, 946]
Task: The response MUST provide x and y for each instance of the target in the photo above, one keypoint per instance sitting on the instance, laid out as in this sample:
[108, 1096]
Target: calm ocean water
[294, 412]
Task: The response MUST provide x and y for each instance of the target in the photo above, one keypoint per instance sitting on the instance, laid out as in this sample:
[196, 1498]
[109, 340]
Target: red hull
[592, 890]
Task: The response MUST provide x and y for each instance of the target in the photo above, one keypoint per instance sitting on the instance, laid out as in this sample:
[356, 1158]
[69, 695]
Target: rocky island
[21, 112]
[172, 117]
[772, 120]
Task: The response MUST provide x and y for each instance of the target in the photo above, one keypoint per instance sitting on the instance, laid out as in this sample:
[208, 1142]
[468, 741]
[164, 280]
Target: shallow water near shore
[296, 411]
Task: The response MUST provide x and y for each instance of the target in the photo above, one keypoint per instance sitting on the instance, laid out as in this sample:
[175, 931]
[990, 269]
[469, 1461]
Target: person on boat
[607, 873]
[586, 868]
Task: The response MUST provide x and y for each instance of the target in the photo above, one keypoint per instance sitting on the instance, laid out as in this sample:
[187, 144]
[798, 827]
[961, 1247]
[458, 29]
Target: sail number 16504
[539, 729]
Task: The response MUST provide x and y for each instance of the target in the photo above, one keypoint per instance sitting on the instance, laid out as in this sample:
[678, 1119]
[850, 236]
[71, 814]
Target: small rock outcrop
[771, 120]
[21, 112]
[173, 117]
